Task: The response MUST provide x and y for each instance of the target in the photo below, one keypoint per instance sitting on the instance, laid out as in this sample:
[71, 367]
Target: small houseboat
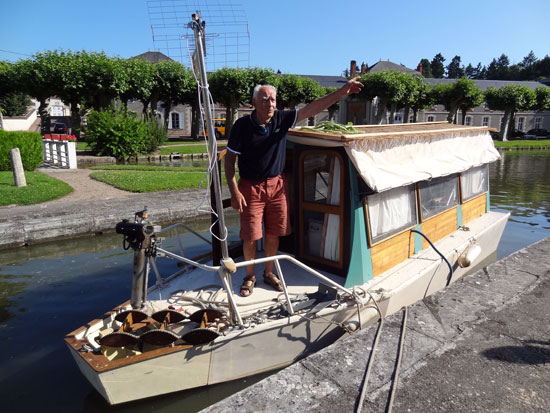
[380, 219]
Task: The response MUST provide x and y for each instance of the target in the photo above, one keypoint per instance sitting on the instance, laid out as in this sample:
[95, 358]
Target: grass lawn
[186, 149]
[40, 188]
[527, 144]
[150, 168]
[150, 181]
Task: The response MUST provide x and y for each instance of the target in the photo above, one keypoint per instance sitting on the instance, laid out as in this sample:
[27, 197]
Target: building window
[485, 121]
[430, 118]
[175, 120]
[538, 123]
[411, 119]
[468, 121]
[521, 122]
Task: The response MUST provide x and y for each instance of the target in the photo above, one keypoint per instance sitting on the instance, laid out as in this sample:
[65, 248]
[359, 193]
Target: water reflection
[520, 184]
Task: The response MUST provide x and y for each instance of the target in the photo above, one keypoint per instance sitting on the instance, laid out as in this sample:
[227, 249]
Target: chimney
[419, 67]
[363, 68]
[353, 68]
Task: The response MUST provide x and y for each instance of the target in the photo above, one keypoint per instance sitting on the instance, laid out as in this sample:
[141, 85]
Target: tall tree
[141, 80]
[510, 99]
[389, 87]
[426, 68]
[542, 99]
[499, 69]
[293, 90]
[454, 69]
[438, 70]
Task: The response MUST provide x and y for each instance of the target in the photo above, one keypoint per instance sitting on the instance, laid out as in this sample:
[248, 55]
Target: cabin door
[321, 207]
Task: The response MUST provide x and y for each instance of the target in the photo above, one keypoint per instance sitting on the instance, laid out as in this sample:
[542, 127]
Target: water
[49, 290]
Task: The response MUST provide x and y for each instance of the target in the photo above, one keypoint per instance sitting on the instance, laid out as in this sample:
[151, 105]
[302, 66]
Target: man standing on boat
[259, 140]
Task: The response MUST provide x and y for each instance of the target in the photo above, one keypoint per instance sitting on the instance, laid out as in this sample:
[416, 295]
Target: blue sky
[300, 36]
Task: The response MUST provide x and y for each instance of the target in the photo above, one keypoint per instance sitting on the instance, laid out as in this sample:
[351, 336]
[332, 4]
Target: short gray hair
[257, 89]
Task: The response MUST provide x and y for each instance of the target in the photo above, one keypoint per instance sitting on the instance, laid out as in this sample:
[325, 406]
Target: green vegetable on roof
[331, 127]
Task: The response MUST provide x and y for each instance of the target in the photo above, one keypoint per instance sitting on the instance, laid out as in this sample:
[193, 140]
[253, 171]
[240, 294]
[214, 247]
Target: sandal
[249, 288]
[272, 280]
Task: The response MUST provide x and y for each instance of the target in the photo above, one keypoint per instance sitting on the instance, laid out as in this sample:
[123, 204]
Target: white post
[46, 145]
[17, 166]
[63, 154]
[71, 155]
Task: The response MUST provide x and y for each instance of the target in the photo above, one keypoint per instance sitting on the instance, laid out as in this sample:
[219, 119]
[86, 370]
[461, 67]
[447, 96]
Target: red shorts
[266, 201]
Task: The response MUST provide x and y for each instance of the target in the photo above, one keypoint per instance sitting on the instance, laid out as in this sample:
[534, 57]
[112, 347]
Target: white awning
[386, 163]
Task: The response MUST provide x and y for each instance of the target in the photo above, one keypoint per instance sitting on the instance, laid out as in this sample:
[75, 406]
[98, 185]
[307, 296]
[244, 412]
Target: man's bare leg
[249, 251]
[271, 248]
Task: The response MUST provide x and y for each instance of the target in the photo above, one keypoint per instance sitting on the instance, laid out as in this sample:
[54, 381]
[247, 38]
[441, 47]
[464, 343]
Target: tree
[510, 99]
[423, 97]
[293, 90]
[232, 87]
[426, 68]
[174, 83]
[472, 96]
[389, 86]
[454, 70]
[141, 78]
[477, 72]
[40, 77]
[542, 99]
[499, 69]
[438, 70]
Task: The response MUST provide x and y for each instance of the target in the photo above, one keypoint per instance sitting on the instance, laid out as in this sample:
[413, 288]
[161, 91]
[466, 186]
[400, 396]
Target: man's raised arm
[313, 108]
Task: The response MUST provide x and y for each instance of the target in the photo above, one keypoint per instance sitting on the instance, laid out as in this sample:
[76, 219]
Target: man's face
[265, 103]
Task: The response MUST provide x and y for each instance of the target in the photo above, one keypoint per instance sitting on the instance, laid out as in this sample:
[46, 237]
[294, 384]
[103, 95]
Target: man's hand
[352, 86]
[237, 201]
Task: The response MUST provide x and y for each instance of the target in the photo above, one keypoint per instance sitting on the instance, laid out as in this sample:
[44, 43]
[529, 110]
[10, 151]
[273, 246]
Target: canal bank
[93, 208]
[482, 344]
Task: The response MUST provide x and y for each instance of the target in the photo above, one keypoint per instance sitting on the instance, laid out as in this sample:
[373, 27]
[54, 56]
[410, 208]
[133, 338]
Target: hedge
[29, 144]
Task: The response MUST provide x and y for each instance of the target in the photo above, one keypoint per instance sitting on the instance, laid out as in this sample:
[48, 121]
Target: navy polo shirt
[261, 150]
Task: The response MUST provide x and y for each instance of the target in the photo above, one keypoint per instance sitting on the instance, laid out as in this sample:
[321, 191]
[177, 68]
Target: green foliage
[426, 68]
[510, 97]
[293, 90]
[40, 188]
[30, 147]
[14, 104]
[542, 98]
[157, 133]
[148, 181]
[119, 133]
[438, 70]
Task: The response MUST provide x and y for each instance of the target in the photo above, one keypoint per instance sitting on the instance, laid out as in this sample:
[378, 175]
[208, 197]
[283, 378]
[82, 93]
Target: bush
[119, 133]
[157, 134]
[29, 144]
[14, 104]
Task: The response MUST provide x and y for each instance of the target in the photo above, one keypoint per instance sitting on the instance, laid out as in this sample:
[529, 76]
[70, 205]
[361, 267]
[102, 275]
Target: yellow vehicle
[219, 128]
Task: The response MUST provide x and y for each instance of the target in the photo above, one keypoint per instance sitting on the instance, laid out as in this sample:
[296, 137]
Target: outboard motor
[141, 237]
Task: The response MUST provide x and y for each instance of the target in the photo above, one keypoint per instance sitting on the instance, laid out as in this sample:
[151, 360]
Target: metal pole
[198, 29]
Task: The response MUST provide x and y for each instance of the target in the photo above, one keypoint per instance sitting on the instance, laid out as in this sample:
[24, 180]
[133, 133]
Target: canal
[49, 290]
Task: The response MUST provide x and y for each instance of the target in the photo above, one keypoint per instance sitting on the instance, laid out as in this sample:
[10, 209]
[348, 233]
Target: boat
[380, 219]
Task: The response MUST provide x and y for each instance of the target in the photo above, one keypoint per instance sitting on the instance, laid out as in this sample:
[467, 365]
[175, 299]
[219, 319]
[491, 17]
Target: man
[259, 140]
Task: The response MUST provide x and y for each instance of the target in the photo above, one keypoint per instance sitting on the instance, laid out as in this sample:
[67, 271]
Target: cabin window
[438, 195]
[321, 179]
[474, 182]
[391, 212]
[321, 207]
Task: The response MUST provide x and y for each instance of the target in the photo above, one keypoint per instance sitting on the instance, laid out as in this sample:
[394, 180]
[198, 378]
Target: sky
[316, 37]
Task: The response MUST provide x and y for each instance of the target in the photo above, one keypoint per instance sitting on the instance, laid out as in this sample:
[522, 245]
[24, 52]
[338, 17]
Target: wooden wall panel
[439, 226]
[474, 208]
[391, 252]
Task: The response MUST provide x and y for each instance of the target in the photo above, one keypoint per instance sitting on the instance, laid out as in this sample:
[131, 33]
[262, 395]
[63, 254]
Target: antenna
[227, 42]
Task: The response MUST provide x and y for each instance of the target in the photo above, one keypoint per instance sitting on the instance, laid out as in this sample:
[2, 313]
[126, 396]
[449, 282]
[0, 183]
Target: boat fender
[469, 256]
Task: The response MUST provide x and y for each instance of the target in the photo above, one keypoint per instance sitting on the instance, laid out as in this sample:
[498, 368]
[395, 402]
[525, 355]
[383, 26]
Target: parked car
[516, 134]
[59, 127]
[536, 134]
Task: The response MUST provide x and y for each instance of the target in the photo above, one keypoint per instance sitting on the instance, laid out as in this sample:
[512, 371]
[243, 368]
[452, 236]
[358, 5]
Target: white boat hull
[275, 344]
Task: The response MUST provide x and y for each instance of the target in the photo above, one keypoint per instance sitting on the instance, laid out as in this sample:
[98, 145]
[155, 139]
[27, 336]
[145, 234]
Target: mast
[227, 266]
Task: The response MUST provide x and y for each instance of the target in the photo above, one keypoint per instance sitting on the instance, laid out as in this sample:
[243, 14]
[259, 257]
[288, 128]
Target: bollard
[17, 166]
